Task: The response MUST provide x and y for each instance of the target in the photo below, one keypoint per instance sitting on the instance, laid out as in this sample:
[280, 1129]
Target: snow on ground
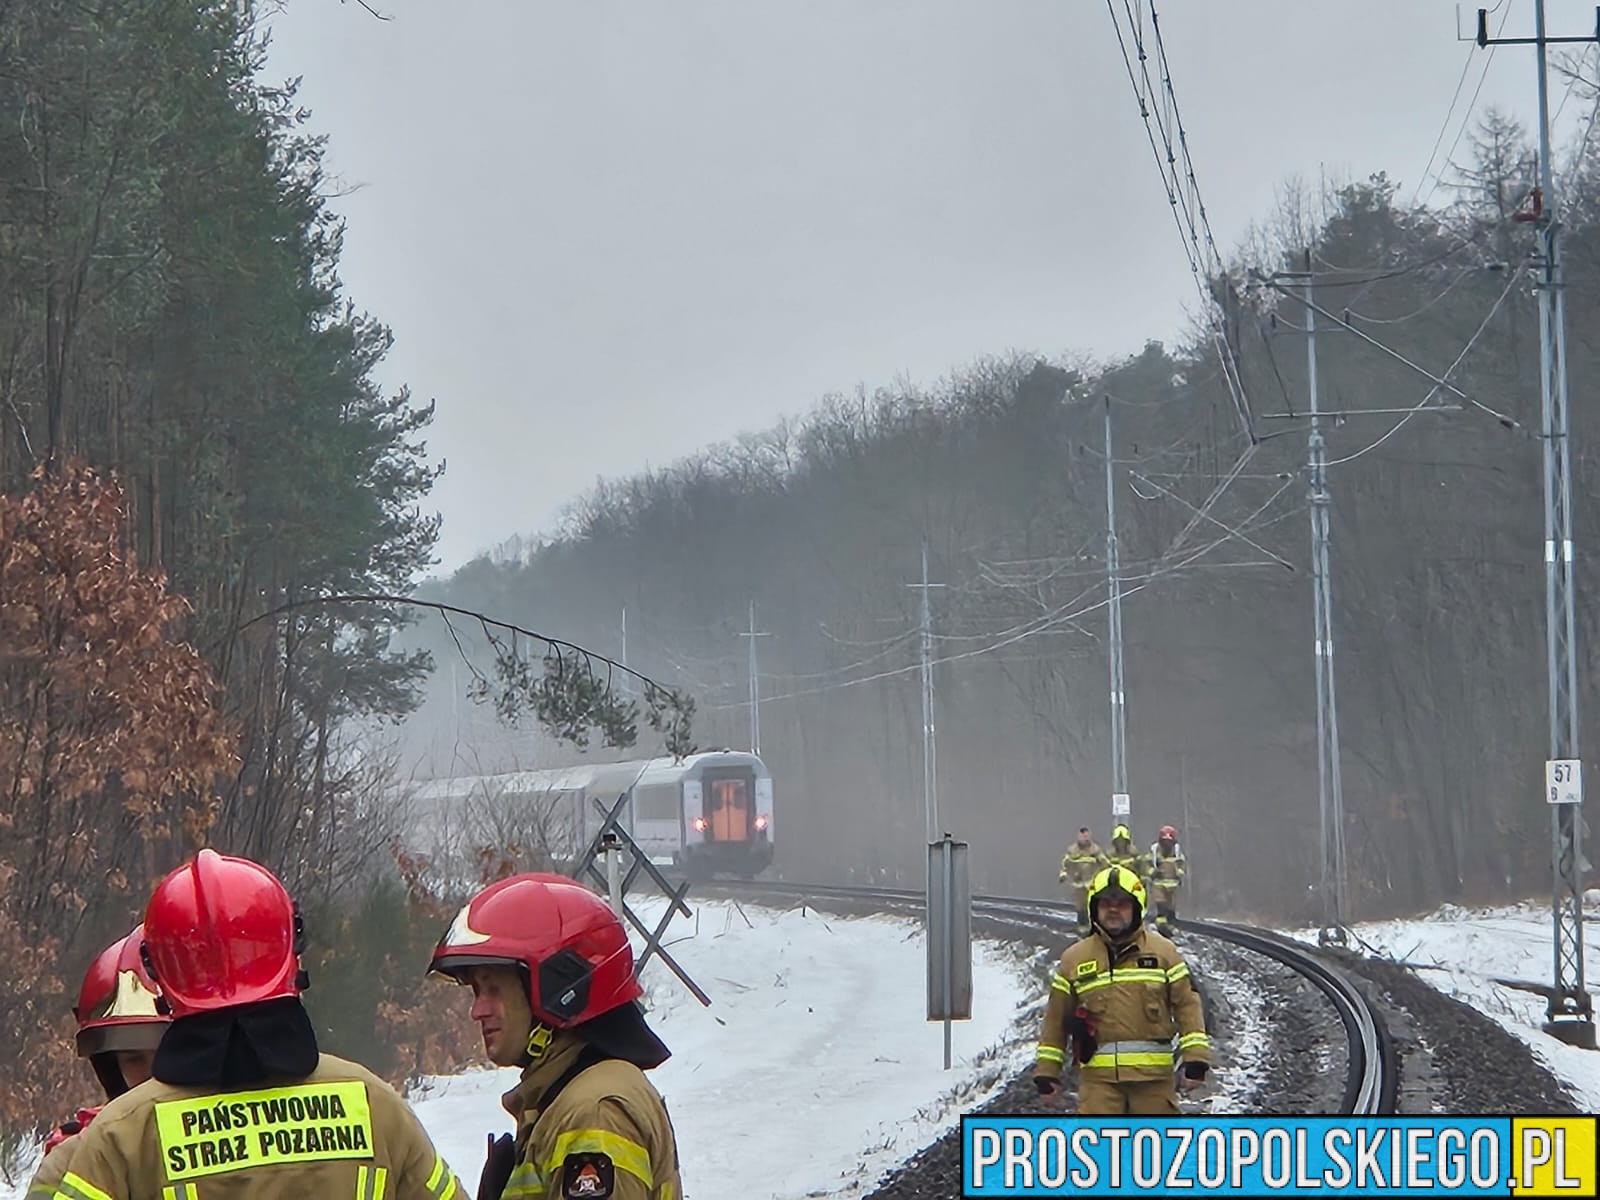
[1463, 951]
[813, 1072]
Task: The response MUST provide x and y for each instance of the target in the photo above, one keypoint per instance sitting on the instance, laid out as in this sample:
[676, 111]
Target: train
[705, 815]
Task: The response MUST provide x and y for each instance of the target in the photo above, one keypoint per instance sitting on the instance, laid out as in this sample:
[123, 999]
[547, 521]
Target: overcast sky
[608, 232]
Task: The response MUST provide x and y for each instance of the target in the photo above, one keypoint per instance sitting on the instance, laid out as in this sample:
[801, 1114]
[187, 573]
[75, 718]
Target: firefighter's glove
[1194, 1070]
[1048, 1085]
[497, 1167]
[74, 1125]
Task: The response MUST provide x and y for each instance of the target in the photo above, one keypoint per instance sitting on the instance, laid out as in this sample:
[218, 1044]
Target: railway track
[1372, 1077]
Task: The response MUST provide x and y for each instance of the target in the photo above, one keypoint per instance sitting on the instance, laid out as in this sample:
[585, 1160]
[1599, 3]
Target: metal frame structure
[1119, 707]
[1569, 1011]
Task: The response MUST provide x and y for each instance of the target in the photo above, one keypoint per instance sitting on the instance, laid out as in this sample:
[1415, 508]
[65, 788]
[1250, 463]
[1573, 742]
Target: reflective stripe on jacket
[1130, 860]
[607, 1118]
[1080, 864]
[1142, 1001]
[1167, 870]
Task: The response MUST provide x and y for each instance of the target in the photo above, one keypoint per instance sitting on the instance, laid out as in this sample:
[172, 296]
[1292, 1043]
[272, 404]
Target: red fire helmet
[1168, 833]
[119, 1006]
[575, 952]
[222, 932]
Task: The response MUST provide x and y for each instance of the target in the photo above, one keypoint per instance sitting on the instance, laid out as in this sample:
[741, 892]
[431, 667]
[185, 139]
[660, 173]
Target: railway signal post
[949, 924]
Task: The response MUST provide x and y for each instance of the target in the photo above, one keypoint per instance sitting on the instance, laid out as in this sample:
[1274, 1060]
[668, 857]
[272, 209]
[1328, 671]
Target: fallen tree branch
[568, 698]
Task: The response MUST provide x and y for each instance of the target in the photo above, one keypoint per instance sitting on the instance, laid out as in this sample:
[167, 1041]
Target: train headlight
[699, 824]
[761, 822]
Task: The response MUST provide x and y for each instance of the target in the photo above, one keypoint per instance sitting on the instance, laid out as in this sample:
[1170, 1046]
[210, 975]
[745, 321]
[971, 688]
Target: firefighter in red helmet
[1167, 870]
[241, 1102]
[553, 990]
[121, 1018]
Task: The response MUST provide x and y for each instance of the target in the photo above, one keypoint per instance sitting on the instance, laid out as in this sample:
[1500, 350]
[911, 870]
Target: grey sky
[608, 233]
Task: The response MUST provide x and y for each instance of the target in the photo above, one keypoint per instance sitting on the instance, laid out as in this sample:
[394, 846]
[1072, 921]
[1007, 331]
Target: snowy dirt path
[814, 1069]
[813, 1072]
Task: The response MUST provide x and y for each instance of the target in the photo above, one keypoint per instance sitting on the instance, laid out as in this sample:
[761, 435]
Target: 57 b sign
[1563, 781]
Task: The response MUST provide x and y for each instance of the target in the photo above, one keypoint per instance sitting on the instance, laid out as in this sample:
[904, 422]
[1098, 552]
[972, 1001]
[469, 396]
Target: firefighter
[1123, 853]
[554, 993]
[1078, 867]
[121, 1018]
[241, 1103]
[1118, 1000]
[1167, 869]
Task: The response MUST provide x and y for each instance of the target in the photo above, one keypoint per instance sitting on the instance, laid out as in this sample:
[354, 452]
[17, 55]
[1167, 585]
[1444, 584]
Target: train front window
[728, 809]
[728, 793]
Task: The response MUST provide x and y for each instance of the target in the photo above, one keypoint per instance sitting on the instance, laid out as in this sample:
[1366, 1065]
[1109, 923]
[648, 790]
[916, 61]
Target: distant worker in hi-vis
[1079, 865]
[1123, 853]
[1123, 1006]
[1167, 869]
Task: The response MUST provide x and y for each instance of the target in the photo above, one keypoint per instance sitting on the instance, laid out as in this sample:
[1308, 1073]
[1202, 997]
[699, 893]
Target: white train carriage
[711, 813]
[706, 814]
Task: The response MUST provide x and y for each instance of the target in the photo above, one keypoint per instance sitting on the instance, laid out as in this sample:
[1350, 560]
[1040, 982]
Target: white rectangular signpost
[1563, 781]
[949, 927]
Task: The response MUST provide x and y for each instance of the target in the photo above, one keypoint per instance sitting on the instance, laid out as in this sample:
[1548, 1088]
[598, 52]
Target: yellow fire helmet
[1122, 833]
[1118, 879]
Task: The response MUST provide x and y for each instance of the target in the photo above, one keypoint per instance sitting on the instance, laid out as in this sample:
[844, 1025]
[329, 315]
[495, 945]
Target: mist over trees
[1437, 558]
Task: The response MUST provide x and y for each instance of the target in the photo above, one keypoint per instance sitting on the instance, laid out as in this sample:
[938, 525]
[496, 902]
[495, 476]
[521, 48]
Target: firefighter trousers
[1098, 1097]
[1165, 902]
[1081, 899]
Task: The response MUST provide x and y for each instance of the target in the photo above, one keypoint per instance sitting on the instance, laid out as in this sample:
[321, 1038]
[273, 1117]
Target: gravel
[1280, 1047]
[1476, 1066]
[1453, 1059]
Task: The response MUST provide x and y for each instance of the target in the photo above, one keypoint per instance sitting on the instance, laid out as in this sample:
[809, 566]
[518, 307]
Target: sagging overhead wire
[1509, 422]
[1365, 277]
[1416, 312]
[1466, 69]
[1183, 191]
[1434, 390]
[1466, 118]
[1210, 503]
[1228, 529]
[1582, 147]
[1065, 614]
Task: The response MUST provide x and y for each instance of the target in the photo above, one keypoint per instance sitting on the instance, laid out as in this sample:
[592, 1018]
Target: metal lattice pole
[1119, 724]
[1569, 1015]
[1330, 788]
[754, 682]
[930, 745]
[1569, 1012]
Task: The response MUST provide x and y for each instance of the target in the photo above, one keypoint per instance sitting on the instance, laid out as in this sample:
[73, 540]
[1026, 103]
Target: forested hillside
[1437, 559]
[171, 316]
[170, 310]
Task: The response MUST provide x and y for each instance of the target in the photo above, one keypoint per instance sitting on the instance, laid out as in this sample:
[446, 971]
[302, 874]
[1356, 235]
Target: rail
[1372, 1078]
